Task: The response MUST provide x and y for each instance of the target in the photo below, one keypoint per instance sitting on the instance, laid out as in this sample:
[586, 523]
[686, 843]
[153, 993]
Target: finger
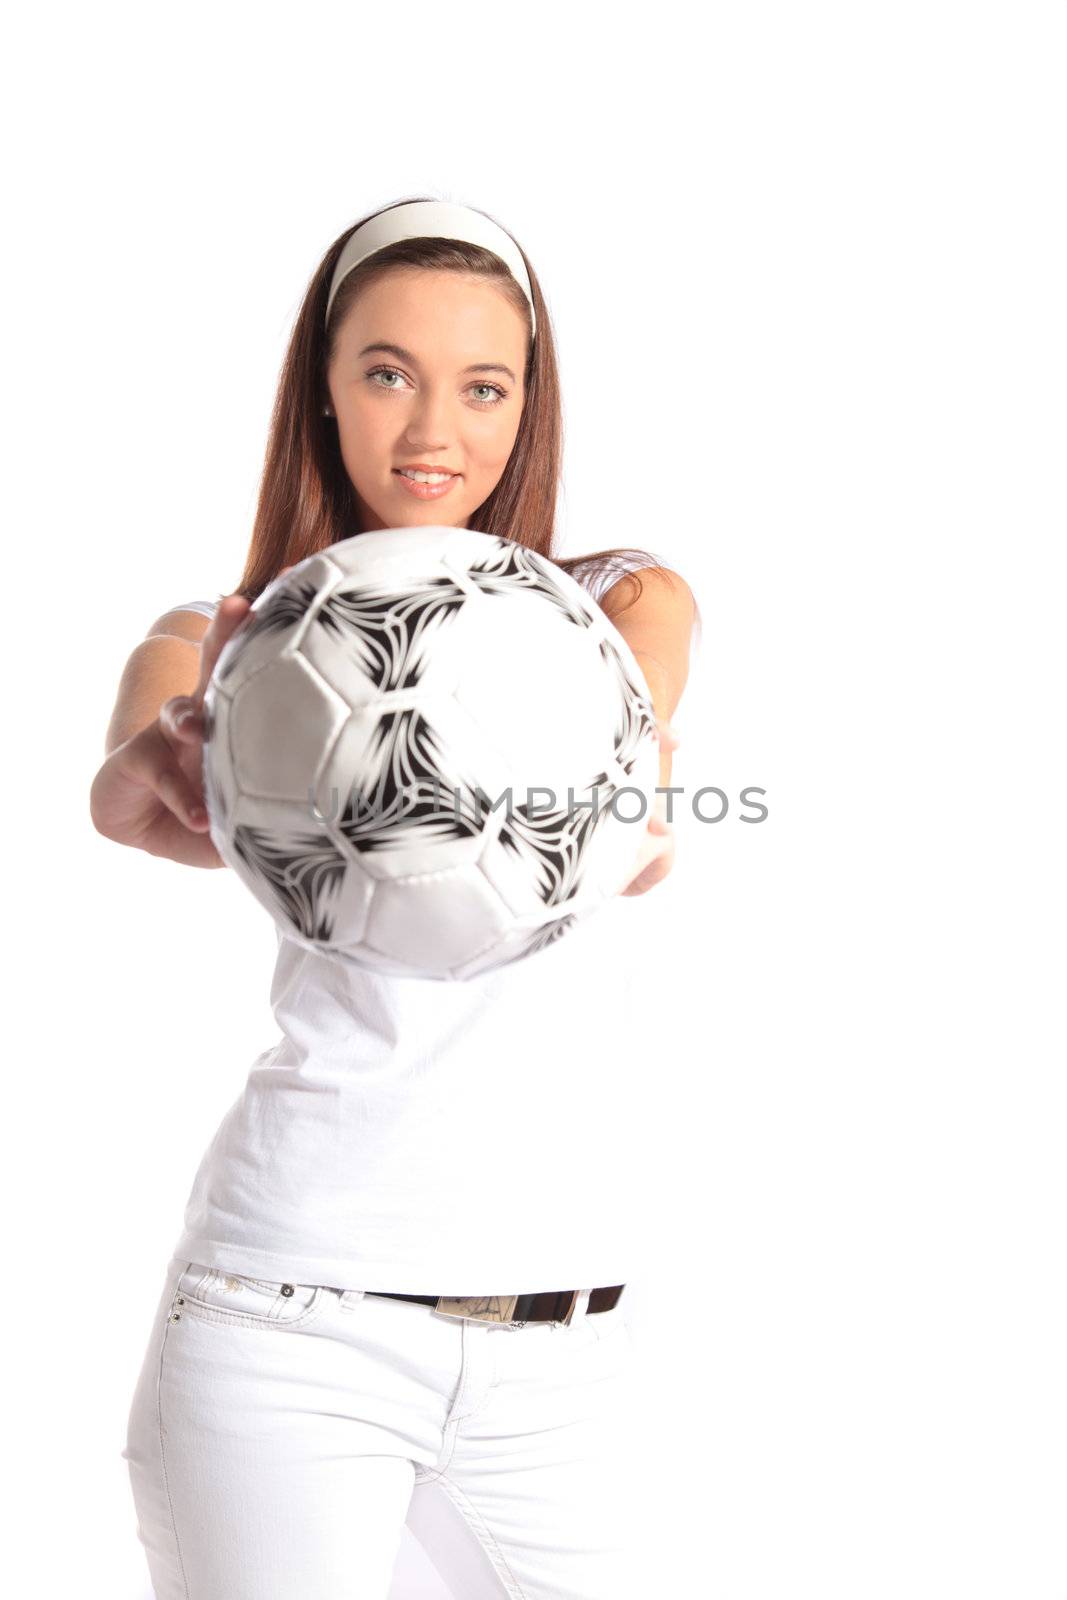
[182, 719]
[179, 796]
[648, 877]
[232, 610]
[642, 882]
[152, 764]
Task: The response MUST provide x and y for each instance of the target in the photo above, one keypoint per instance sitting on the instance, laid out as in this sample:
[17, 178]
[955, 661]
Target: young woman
[397, 1293]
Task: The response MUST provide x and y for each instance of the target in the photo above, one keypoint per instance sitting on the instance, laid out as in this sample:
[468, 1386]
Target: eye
[392, 372]
[389, 371]
[496, 389]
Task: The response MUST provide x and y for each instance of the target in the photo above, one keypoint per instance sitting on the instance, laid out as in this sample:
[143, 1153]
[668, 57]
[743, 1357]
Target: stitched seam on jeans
[473, 1517]
[225, 1315]
[454, 1424]
[162, 1450]
[439, 1472]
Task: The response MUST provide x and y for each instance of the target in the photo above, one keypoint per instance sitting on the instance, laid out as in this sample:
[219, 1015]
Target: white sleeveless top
[452, 1138]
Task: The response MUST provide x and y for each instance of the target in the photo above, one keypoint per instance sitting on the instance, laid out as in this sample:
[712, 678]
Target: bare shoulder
[180, 624]
[662, 592]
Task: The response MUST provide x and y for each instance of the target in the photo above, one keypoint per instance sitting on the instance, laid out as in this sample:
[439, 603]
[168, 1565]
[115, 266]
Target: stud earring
[326, 411]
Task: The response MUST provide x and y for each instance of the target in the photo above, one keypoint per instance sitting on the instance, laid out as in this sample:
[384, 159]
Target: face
[452, 402]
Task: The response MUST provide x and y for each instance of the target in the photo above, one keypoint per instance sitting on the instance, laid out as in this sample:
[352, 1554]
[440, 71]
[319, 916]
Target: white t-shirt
[457, 1138]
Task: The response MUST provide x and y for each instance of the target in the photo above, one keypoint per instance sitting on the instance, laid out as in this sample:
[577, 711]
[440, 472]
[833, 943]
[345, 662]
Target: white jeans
[277, 1443]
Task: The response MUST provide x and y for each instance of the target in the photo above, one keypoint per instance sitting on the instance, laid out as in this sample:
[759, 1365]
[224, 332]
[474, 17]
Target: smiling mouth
[418, 476]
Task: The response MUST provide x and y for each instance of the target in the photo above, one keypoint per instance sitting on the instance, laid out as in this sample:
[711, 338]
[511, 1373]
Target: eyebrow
[406, 355]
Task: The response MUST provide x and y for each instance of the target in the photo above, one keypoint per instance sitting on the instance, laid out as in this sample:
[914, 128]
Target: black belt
[551, 1305]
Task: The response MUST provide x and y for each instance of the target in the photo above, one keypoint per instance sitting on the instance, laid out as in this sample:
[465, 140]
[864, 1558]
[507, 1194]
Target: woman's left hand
[657, 851]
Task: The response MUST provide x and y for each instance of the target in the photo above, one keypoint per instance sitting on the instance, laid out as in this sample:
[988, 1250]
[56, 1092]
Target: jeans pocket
[211, 1294]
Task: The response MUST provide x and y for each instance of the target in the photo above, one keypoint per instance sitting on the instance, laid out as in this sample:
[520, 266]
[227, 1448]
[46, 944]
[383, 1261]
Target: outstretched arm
[658, 627]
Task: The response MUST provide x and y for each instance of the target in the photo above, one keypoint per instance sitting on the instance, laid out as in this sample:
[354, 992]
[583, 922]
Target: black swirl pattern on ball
[408, 795]
[304, 872]
[540, 939]
[390, 630]
[517, 568]
[637, 717]
[214, 797]
[551, 844]
[276, 615]
[207, 716]
[549, 934]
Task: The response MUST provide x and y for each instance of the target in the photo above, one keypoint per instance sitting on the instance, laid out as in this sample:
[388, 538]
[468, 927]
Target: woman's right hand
[149, 791]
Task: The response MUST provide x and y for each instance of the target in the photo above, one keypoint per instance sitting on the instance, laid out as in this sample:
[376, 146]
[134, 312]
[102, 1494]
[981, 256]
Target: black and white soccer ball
[414, 749]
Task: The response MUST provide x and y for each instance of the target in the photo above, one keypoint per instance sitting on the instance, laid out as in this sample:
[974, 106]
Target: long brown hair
[306, 499]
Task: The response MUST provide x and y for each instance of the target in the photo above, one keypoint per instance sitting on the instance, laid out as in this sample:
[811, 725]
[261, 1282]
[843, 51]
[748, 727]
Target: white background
[806, 272]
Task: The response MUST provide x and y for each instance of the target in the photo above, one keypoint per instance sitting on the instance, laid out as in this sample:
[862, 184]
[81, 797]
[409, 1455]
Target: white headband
[431, 219]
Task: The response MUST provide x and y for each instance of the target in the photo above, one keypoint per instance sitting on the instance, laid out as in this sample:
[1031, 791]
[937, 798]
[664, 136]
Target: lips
[426, 491]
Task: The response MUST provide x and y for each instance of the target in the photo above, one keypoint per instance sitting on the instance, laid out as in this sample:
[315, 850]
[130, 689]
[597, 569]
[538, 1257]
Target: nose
[430, 419]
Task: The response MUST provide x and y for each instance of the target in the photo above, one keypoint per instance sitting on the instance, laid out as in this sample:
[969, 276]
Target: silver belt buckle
[479, 1307]
[491, 1307]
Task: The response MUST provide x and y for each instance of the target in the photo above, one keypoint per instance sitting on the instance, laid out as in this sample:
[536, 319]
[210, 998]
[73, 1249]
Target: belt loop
[350, 1298]
[580, 1305]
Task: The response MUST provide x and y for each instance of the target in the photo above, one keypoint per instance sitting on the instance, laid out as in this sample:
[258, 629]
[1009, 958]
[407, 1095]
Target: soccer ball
[414, 749]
